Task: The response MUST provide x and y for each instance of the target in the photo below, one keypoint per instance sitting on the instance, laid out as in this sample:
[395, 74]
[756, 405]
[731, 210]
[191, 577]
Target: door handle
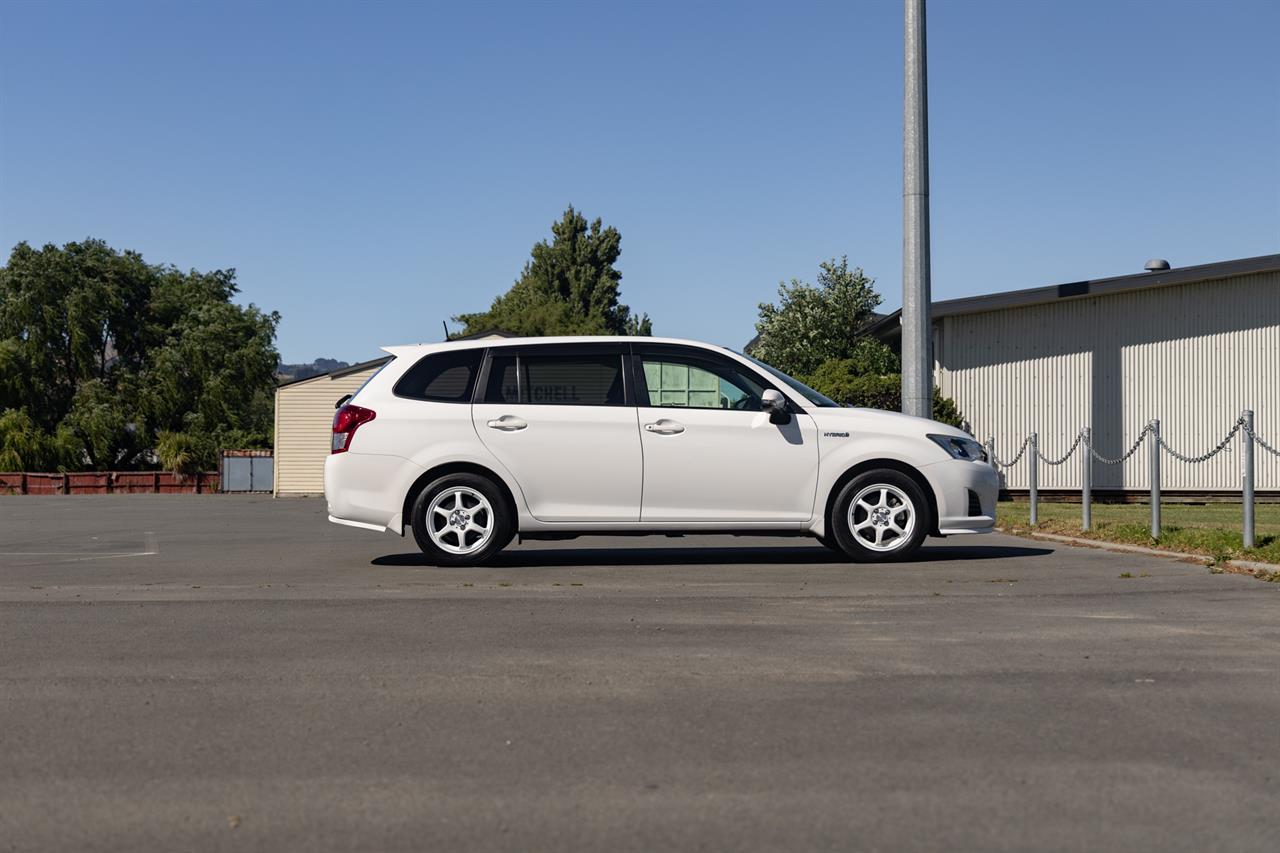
[507, 423]
[665, 427]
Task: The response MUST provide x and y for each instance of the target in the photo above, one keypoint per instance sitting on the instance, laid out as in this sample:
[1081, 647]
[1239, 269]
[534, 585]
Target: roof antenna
[445, 323]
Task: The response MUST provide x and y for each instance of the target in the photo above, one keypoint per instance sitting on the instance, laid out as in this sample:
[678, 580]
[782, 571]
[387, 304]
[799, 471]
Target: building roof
[378, 362]
[336, 374]
[889, 326]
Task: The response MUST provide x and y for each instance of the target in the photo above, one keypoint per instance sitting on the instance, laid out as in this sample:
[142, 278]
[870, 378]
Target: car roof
[476, 343]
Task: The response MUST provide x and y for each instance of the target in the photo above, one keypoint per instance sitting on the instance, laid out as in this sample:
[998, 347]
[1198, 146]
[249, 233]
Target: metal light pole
[917, 378]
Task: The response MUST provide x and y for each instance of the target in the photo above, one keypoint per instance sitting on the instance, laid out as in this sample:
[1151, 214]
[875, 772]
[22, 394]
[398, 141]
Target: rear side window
[573, 380]
[443, 377]
[504, 380]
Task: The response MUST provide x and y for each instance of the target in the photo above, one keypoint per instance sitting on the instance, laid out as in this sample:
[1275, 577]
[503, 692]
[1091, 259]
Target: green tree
[26, 447]
[815, 334]
[179, 452]
[812, 324]
[68, 315]
[839, 380]
[569, 287]
[101, 351]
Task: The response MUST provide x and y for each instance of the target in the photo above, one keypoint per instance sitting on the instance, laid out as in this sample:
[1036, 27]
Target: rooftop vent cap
[1157, 265]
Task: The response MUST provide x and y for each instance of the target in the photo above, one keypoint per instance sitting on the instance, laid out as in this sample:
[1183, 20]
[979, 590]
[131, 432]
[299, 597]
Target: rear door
[562, 419]
[710, 453]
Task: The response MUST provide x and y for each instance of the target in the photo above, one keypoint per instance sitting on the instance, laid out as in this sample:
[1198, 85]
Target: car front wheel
[879, 516]
[461, 520]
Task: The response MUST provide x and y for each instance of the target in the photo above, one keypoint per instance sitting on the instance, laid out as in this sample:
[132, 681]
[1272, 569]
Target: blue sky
[373, 169]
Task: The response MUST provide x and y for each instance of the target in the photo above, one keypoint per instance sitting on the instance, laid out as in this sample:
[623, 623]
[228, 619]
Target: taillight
[345, 421]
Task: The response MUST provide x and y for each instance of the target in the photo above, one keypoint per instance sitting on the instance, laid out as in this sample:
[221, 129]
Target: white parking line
[149, 543]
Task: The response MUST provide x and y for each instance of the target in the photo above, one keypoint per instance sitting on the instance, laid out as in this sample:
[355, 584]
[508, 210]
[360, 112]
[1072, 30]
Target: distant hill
[291, 372]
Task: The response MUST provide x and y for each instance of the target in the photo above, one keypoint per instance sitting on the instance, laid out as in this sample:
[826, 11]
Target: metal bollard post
[991, 452]
[1086, 480]
[1154, 456]
[1033, 479]
[1247, 497]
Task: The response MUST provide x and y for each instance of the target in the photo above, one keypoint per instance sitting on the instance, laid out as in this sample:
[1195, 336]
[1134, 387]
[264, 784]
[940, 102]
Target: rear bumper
[952, 481]
[349, 523]
[367, 490]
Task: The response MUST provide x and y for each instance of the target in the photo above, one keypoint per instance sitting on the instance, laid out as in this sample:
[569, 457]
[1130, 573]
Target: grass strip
[1210, 530]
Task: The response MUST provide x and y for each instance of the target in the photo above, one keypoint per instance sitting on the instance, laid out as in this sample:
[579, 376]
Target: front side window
[699, 384]
[442, 377]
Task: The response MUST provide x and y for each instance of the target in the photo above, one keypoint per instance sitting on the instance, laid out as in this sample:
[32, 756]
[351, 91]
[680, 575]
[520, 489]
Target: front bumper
[953, 480]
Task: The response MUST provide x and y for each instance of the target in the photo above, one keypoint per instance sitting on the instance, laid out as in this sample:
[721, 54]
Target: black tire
[891, 492]
[498, 515]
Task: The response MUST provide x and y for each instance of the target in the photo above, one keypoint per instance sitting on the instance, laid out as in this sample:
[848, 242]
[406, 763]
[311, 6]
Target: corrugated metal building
[304, 422]
[1191, 347]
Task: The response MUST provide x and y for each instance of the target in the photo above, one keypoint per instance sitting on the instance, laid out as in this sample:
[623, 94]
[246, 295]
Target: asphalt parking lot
[234, 673]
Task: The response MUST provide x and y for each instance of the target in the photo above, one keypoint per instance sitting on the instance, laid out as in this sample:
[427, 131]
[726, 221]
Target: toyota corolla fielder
[470, 443]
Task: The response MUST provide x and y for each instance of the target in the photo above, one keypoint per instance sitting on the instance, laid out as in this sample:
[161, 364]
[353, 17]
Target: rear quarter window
[442, 377]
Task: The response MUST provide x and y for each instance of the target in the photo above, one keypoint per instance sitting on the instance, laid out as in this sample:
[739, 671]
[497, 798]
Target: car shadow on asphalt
[790, 555]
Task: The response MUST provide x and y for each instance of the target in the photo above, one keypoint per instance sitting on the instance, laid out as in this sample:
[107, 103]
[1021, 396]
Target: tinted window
[504, 381]
[445, 377]
[573, 380]
[696, 383]
[803, 390]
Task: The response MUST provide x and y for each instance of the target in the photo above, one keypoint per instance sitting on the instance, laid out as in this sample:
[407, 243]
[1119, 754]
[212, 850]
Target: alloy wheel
[882, 517]
[460, 520]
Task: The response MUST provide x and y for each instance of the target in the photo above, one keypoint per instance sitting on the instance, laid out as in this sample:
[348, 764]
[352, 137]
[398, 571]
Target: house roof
[340, 372]
[378, 362]
[889, 326]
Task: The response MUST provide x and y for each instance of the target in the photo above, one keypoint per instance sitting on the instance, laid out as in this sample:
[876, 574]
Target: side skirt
[554, 535]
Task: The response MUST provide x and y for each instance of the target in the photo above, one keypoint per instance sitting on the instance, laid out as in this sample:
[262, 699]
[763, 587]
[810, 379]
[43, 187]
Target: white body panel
[578, 468]
[876, 435]
[573, 463]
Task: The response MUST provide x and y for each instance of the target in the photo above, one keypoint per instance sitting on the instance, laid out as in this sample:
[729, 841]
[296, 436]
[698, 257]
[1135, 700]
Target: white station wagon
[470, 443]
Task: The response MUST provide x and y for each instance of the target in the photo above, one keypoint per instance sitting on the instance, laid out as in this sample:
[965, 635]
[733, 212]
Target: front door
[561, 419]
[710, 453]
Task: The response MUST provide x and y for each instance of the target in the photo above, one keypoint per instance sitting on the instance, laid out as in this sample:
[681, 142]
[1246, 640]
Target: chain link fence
[1030, 448]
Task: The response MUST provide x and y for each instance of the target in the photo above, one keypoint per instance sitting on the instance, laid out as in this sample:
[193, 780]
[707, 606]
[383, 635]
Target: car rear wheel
[879, 516]
[461, 520]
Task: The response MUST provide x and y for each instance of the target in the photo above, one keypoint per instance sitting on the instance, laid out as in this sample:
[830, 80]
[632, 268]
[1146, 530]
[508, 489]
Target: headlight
[960, 448]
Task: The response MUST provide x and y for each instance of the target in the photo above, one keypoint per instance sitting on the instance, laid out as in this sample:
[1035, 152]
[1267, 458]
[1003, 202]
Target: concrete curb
[1244, 567]
[1253, 567]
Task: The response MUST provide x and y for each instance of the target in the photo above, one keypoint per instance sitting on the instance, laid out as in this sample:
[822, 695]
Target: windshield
[796, 385]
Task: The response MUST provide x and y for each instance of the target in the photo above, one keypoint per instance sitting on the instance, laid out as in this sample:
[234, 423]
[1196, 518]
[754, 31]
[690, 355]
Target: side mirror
[775, 404]
[342, 401]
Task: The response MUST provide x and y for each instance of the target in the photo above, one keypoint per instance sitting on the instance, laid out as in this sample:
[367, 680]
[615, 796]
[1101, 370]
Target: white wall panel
[304, 429]
[1192, 355]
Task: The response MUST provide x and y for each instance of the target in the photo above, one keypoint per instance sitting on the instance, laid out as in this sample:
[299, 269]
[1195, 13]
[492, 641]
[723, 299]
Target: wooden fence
[107, 483]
